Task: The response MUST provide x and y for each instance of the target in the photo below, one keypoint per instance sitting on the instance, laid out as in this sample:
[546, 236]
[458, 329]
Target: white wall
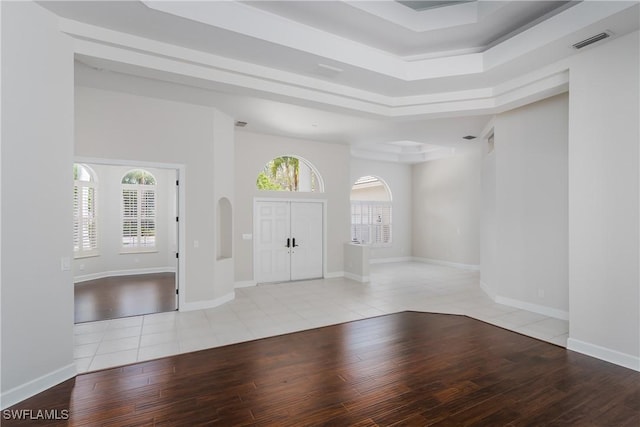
[446, 208]
[526, 254]
[224, 187]
[398, 178]
[114, 125]
[376, 193]
[110, 259]
[488, 218]
[252, 152]
[37, 202]
[603, 202]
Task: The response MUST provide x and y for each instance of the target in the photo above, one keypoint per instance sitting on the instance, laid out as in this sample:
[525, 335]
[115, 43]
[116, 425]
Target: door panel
[273, 263]
[275, 223]
[306, 229]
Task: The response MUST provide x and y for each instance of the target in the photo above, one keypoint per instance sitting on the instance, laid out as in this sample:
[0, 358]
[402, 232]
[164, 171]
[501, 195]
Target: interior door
[273, 226]
[288, 241]
[306, 240]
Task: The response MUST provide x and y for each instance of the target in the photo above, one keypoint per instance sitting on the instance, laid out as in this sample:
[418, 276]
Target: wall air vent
[469, 137]
[591, 40]
[240, 124]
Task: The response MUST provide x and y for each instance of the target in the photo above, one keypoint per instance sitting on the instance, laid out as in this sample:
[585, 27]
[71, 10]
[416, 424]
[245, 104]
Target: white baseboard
[487, 290]
[603, 353]
[115, 273]
[356, 277]
[523, 305]
[201, 305]
[536, 308]
[334, 275]
[33, 387]
[473, 267]
[245, 284]
[386, 260]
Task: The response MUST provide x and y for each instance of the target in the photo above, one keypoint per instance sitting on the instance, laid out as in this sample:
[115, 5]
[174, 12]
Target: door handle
[294, 243]
[289, 242]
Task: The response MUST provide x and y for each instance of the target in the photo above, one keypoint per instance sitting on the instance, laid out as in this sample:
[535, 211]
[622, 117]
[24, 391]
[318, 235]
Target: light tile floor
[274, 309]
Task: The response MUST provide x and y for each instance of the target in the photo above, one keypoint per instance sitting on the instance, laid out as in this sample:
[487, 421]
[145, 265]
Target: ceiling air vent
[240, 124]
[591, 40]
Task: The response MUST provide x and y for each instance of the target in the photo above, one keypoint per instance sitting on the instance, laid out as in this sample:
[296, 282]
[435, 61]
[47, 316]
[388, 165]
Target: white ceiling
[394, 83]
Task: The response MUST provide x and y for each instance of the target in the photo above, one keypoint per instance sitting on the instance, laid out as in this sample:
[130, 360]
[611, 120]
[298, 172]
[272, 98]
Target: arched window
[85, 217]
[138, 211]
[290, 173]
[371, 212]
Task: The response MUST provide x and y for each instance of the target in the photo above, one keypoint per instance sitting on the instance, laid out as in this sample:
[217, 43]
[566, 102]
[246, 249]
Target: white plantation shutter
[371, 222]
[139, 212]
[85, 229]
[148, 218]
[130, 217]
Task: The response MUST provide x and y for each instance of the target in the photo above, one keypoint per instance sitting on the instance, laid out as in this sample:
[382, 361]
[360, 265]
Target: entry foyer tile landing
[275, 309]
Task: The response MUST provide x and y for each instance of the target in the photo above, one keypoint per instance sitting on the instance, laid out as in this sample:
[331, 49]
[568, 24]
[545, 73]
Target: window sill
[86, 255]
[138, 251]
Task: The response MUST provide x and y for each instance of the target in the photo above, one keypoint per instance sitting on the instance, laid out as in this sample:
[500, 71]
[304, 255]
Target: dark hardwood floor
[401, 369]
[124, 296]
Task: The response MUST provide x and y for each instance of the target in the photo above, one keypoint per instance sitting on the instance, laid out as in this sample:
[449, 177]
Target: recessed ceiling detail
[403, 151]
[419, 5]
[394, 83]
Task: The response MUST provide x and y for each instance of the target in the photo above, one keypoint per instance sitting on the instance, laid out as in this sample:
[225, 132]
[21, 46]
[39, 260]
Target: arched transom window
[290, 173]
[138, 211]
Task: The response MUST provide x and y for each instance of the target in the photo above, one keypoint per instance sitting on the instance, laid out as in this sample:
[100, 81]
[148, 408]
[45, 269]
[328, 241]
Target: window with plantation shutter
[85, 218]
[138, 211]
[371, 220]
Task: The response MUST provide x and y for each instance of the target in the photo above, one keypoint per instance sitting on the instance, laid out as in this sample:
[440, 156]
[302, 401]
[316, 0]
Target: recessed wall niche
[224, 231]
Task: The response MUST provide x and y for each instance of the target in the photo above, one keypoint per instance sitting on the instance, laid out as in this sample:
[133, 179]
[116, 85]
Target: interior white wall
[37, 202]
[224, 187]
[377, 193]
[530, 262]
[115, 125]
[398, 177]
[488, 218]
[446, 208]
[110, 258]
[603, 202]
[252, 152]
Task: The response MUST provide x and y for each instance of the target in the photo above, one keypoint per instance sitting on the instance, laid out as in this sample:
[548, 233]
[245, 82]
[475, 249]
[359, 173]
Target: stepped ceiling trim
[267, 68]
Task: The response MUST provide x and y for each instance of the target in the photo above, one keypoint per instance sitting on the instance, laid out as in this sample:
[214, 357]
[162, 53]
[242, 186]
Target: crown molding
[121, 52]
[249, 21]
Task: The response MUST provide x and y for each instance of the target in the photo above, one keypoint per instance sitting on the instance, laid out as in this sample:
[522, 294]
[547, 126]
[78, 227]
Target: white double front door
[287, 241]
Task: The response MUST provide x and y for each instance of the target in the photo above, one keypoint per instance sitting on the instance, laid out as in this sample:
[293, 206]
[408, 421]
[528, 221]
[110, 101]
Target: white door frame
[180, 169]
[293, 200]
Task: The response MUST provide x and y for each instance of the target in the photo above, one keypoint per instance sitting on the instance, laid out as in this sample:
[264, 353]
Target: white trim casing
[334, 274]
[356, 277]
[603, 353]
[182, 208]
[202, 305]
[472, 267]
[245, 284]
[389, 260]
[536, 308]
[523, 305]
[35, 386]
[117, 273]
